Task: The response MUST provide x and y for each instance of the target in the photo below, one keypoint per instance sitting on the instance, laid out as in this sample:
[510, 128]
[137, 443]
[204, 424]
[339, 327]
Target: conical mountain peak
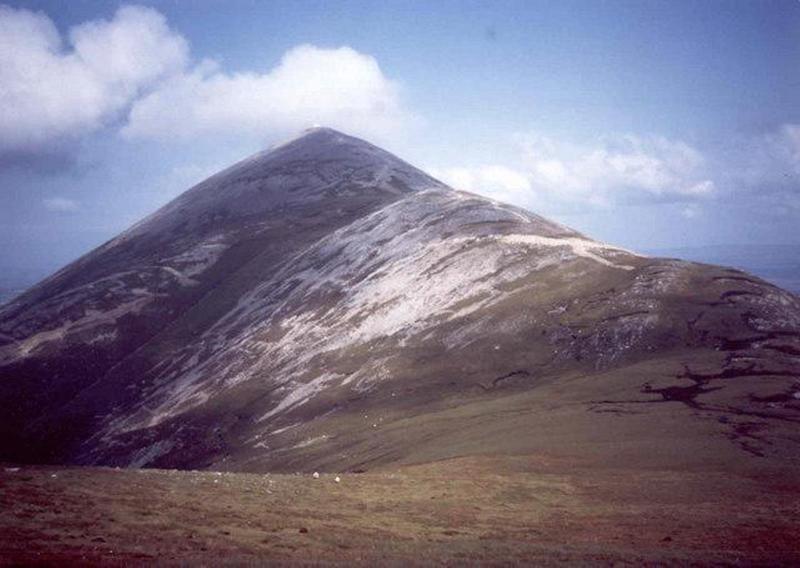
[334, 153]
[320, 166]
[316, 135]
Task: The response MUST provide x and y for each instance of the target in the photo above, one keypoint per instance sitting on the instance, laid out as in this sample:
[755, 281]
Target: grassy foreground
[471, 510]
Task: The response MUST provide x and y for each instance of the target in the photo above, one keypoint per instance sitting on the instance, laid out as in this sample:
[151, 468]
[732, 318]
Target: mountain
[325, 305]
[779, 264]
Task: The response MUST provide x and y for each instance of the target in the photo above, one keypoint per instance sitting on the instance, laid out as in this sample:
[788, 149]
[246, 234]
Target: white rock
[337, 479]
[316, 475]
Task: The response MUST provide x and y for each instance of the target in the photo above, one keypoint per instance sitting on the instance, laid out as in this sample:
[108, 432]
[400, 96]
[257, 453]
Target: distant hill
[780, 264]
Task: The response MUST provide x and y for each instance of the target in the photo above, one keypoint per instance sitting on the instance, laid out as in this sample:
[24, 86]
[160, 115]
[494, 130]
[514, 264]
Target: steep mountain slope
[327, 305]
[67, 333]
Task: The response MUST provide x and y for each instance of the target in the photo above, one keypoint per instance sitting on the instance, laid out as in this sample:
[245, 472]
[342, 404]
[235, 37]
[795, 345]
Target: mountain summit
[327, 305]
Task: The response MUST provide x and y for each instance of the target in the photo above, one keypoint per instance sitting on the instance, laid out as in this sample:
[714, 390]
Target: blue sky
[647, 124]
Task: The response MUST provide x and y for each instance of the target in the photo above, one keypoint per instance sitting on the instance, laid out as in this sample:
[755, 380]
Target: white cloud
[50, 90]
[60, 204]
[560, 176]
[340, 87]
[54, 89]
[625, 168]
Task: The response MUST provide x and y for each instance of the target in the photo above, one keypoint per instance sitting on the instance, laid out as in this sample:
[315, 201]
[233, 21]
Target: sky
[643, 123]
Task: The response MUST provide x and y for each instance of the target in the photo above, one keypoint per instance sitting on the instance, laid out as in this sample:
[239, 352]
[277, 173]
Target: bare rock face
[326, 305]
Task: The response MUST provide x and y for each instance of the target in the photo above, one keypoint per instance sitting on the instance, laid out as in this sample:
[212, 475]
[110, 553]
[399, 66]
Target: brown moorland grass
[479, 510]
